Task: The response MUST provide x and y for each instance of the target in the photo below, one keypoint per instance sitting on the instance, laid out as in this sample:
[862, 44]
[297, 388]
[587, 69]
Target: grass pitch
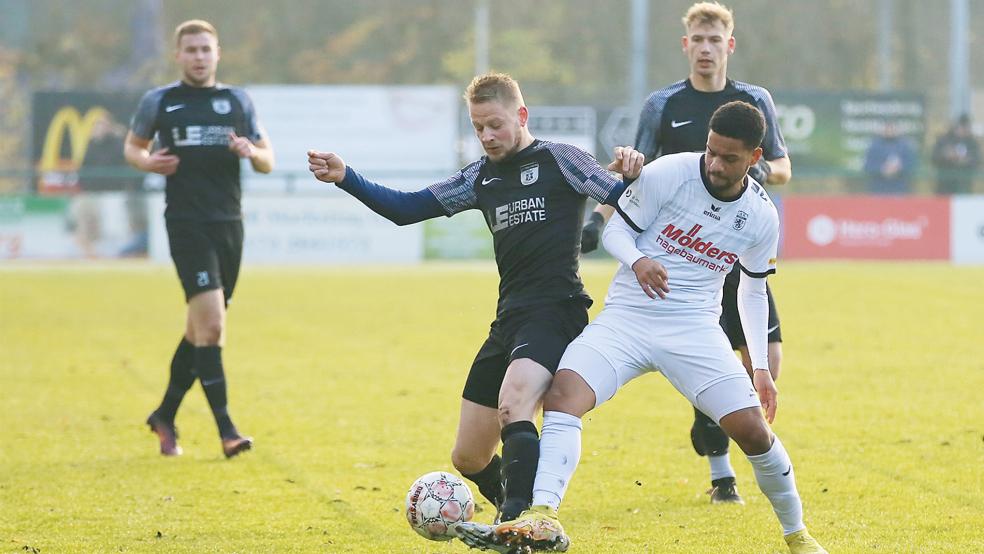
[349, 379]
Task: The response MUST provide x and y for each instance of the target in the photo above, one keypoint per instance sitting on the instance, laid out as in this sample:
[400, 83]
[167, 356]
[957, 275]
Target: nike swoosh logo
[787, 471]
[771, 329]
[676, 124]
[487, 181]
[206, 383]
[518, 347]
[170, 109]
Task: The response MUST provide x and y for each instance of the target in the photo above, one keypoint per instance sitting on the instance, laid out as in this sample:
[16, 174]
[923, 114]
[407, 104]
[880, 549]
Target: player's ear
[756, 156]
[731, 44]
[683, 43]
[524, 116]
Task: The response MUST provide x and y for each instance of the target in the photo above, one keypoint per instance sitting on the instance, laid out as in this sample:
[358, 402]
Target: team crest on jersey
[740, 221]
[529, 173]
[221, 106]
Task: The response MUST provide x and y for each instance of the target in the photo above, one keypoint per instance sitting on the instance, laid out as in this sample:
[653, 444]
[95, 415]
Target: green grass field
[350, 378]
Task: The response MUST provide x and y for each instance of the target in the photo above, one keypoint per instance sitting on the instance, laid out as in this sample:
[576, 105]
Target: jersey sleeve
[760, 259]
[640, 203]
[649, 134]
[585, 175]
[143, 124]
[251, 126]
[773, 145]
[457, 193]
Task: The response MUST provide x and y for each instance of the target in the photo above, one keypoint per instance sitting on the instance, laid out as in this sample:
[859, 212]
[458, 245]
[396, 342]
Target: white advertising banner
[310, 230]
[403, 136]
[967, 229]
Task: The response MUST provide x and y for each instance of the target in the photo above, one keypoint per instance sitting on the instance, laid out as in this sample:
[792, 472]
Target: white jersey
[696, 237]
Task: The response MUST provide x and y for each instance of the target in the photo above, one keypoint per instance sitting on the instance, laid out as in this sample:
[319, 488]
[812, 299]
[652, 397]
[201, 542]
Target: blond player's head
[498, 114]
[708, 40]
[197, 52]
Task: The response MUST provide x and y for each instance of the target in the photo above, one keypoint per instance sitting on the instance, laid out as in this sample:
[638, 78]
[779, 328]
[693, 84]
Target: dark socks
[520, 454]
[208, 363]
[489, 481]
[182, 378]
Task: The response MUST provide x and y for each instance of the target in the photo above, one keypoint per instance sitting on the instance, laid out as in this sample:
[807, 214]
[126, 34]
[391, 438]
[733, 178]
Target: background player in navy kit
[204, 129]
[675, 119]
[532, 194]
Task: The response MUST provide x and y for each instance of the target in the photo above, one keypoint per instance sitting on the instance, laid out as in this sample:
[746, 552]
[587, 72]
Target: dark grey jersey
[677, 119]
[533, 203]
[194, 124]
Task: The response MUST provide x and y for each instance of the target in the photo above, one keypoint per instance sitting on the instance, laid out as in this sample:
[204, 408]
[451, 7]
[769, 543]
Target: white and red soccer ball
[435, 502]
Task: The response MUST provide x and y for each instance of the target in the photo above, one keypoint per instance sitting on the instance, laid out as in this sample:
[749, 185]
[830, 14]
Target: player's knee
[209, 332]
[753, 439]
[465, 462]
[569, 393]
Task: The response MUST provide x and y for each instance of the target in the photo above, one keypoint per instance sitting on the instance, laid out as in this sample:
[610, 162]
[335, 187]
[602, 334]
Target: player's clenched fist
[326, 166]
[241, 146]
[628, 162]
[652, 277]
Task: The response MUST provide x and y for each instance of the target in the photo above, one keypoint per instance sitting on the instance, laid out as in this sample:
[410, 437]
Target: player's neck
[525, 140]
[200, 84]
[709, 83]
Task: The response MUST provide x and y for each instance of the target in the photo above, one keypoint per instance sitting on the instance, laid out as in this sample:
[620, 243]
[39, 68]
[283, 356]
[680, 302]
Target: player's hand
[760, 171]
[240, 146]
[628, 162]
[161, 162]
[768, 394]
[326, 166]
[652, 277]
[592, 232]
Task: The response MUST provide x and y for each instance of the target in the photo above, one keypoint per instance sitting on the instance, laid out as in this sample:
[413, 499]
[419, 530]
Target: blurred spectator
[890, 162]
[956, 156]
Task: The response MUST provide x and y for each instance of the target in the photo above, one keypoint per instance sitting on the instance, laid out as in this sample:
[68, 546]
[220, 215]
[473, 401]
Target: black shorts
[207, 255]
[731, 322]
[540, 333]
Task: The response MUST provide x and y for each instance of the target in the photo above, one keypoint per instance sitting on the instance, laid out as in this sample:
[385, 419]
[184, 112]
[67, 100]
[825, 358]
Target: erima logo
[170, 109]
[487, 181]
[676, 124]
[692, 240]
[713, 213]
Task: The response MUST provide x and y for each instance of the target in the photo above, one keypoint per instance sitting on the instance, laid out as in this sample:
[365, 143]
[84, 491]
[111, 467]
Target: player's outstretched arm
[402, 208]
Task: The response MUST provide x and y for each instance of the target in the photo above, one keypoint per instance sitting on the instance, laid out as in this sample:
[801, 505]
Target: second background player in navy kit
[205, 128]
[675, 119]
[532, 194]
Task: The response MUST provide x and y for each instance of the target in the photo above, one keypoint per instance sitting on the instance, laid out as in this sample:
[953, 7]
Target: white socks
[774, 473]
[560, 451]
[720, 467]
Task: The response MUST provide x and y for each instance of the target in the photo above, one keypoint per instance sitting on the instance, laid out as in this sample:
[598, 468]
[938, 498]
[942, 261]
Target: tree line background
[562, 51]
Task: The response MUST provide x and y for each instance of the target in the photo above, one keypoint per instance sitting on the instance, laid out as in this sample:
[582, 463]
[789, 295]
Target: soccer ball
[437, 500]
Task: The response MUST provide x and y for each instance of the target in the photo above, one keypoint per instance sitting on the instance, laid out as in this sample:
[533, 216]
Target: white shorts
[692, 352]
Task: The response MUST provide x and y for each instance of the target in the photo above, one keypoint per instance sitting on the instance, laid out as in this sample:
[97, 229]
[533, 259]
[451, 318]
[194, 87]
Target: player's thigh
[206, 316]
[693, 353]
[611, 351]
[195, 257]
[228, 239]
[487, 373]
[477, 438]
[726, 397]
[522, 390]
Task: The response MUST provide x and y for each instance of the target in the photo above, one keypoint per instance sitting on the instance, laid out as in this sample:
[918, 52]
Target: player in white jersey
[683, 225]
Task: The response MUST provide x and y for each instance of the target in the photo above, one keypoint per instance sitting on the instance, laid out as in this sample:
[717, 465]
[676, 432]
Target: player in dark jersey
[532, 194]
[204, 129]
[675, 119]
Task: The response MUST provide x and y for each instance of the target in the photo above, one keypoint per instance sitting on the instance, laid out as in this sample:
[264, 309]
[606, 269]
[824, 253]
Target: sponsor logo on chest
[526, 210]
[693, 248]
[201, 135]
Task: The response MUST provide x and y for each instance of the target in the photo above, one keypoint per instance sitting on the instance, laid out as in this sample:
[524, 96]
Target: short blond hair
[194, 27]
[494, 87]
[709, 12]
